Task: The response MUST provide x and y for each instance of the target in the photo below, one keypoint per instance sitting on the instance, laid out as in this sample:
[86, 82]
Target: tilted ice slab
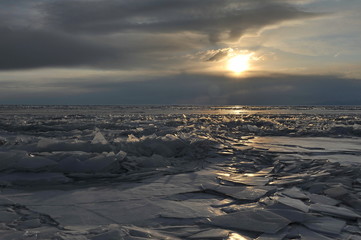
[245, 180]
[334, 211]
[258, 220]
[295, 192]
[240, 192]
[325, 224]
[211, 234]
[186, 209]
[291, 202]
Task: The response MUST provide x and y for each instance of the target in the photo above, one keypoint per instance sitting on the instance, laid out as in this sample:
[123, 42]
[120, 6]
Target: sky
[214, 52]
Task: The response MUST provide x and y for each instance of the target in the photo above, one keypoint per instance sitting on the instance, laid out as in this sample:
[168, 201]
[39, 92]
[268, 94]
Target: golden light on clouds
[239, 63]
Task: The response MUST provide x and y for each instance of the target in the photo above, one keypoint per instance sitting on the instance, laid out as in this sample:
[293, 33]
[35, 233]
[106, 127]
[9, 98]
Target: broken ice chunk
[121, 155]
[250, 181]
[290, 214]
[316, 198]
[210, 234]
[257, 220]
[336, 192]
[352, 229]
[236, 236]
[240, 192]
[299, 232]
[45, 143]
[132, 138]
[325, 224]
[276, 236]
[184, 209]
[265, 171]
[101, 164]
[353, 201]
[99, 139]
[334, 211]
[287, 181]
[294, 192]
[239, 207]
[294, 203]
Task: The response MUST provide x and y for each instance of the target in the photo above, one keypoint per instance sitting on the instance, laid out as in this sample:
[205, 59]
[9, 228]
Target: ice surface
[30, 179]
[6, 216]
[158, 172]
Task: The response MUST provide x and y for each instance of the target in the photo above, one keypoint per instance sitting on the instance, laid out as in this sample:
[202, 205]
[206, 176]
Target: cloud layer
[211, 17]
[197, 89]
[107, 33]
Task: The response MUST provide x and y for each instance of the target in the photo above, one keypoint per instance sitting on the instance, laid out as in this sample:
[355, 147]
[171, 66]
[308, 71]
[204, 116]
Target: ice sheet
[159, 172]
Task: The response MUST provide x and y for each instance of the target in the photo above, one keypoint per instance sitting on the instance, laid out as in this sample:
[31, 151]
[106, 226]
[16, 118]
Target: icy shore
[105, 173]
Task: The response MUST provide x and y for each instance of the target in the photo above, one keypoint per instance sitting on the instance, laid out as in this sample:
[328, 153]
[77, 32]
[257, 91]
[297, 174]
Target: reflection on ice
[346, 150]
[236, 236]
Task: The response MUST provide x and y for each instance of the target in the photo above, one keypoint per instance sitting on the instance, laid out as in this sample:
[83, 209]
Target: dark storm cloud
[27, 48]
[211, 17]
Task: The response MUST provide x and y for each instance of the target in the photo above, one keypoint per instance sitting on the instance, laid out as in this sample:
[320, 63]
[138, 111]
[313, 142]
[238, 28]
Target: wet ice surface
[176, 172]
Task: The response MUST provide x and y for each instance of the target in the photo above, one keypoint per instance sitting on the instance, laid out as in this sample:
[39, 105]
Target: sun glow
[239, 63]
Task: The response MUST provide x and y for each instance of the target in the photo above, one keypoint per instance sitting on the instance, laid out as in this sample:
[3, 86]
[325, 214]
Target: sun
[239, 63]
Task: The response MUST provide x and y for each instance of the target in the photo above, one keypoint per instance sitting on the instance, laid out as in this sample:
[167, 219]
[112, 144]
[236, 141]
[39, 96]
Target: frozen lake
[180, 172]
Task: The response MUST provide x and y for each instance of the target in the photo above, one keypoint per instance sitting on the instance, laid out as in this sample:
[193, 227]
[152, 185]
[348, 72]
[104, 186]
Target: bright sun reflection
[236, 236]
[239, 63]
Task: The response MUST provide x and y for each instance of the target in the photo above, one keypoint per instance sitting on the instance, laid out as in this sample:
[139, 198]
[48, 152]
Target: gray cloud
[271, 90]
[28, 48]
[125, 34]
[202, 89]
[211, 17]
[218, 55]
